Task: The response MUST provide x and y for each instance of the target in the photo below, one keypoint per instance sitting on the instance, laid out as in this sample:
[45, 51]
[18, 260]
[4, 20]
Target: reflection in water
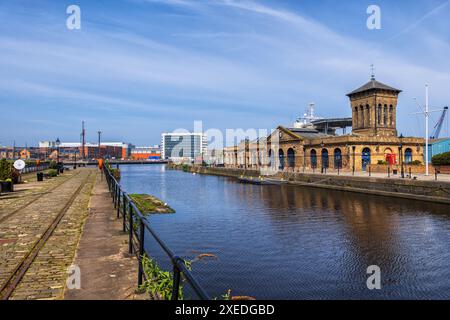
[299, 243]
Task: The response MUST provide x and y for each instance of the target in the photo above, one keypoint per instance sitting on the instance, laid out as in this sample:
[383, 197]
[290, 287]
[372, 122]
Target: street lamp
[401, 156]
[58, 143]
[321, 153]
[354, 159]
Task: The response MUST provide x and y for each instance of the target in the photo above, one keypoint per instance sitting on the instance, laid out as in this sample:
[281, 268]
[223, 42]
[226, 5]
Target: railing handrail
[177, 262]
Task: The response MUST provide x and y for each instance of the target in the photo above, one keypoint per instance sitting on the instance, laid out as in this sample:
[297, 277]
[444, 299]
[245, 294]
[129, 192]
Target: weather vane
[373, 71]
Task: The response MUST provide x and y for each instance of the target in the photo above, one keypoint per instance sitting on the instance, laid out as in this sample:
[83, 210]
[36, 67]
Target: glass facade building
[183, 145]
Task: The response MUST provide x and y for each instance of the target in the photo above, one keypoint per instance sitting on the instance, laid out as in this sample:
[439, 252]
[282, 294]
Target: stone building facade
[374, 140]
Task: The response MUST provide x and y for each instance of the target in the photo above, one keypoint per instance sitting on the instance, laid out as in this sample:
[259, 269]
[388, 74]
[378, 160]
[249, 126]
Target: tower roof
[374, 85]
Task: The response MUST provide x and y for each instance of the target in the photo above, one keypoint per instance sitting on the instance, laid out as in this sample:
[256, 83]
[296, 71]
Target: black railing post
[370, 171]
[124, 215]
[130, 226]
[141, 253]
[176, 281]
[118, 205]
[115, 194]
[389, 172]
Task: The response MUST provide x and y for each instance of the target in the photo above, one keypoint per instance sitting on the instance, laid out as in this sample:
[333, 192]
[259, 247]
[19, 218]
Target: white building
[180, 147]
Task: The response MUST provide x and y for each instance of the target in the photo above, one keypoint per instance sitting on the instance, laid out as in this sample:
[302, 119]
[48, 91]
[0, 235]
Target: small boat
[250, 180]
[259, 181]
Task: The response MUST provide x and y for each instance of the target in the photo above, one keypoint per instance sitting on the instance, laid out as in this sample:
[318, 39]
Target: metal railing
[128, 211]
[35, 168]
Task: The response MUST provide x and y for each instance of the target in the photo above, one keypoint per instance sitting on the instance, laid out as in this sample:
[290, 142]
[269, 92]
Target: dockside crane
[438, 126]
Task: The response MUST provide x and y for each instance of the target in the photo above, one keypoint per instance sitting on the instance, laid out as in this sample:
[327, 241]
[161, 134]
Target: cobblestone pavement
[28, 192]
[36, 208]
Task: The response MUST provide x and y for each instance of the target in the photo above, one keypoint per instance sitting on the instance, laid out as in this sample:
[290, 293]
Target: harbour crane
[438, 126]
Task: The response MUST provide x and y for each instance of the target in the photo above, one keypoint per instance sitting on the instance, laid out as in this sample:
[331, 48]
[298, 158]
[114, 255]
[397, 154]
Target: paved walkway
[107, 270]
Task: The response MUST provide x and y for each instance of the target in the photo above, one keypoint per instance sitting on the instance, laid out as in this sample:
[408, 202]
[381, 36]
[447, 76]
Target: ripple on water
[286, 242]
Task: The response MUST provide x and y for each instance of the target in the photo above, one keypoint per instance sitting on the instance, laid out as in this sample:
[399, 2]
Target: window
[281, 159]
[408, 156]
[313, 158]
[337, 158]
[385, 115]
[325, 160]
[391, 115]
[291, 158]
[368, 116]
[362, 117]
[379, 114]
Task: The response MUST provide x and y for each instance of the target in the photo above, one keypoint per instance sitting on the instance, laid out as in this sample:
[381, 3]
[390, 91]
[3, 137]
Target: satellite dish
[19, 164]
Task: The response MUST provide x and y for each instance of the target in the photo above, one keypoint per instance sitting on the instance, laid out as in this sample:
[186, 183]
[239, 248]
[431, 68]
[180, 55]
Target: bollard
[389, 172]
[435, 175]
[370, 171]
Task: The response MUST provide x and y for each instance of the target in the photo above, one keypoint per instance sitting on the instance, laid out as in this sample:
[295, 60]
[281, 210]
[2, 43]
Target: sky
[138, 68]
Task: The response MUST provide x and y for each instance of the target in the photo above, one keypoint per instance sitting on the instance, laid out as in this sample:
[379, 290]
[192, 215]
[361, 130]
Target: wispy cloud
[233, 64]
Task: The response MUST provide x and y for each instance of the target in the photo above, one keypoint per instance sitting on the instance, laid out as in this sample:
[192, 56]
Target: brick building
[374, 140]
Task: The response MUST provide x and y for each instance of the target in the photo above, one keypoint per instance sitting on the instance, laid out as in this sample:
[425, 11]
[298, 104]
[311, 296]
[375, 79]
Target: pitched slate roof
[374, 85]
[306, 133]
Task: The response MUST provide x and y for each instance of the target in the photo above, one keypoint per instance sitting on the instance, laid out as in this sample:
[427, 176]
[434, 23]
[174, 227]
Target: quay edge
[431, 191]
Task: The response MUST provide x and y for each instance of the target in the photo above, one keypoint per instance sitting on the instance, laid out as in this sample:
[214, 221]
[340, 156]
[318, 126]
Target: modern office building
[438, 146]
[183, 146]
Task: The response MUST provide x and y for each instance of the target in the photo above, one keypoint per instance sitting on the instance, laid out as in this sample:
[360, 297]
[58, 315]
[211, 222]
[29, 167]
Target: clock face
[19, 164]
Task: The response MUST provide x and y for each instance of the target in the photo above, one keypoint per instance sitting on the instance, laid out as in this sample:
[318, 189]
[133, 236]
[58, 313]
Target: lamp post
[99, 144]
[304, 158]
[401, 156]
[321, 153]
[58, 143]
[354, 158]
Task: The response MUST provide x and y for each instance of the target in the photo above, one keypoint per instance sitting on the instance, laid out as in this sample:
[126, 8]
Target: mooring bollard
[435, 174]
[389, 172]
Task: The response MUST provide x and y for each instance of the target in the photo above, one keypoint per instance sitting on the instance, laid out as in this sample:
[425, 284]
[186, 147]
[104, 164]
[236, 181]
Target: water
[286, 242]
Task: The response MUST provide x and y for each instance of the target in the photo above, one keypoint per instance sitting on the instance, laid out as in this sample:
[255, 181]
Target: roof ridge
[374, 84]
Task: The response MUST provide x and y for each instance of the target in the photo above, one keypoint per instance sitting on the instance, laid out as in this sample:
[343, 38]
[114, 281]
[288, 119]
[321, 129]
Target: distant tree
[442, 159]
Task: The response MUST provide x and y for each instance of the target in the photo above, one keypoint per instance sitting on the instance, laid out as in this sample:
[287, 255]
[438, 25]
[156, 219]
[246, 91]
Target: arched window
[337, 158]
[408, 156]
[291, 158]
[365, 157]
[368, 116]
[271, 162]
[391, 115]
[313, 158]
[385, 115]
[362, 117]
[325, 159]
[379, 114]
[281, 159]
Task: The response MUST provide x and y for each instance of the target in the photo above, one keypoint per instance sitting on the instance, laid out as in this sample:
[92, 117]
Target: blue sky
[141, 67]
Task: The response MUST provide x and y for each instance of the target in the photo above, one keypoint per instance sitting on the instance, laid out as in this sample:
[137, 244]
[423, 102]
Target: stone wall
[434, 191]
